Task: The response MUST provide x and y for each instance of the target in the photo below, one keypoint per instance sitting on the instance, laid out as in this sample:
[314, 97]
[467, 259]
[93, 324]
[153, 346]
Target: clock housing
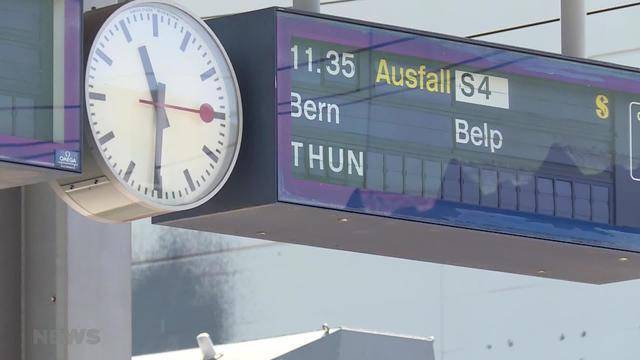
[164, 113]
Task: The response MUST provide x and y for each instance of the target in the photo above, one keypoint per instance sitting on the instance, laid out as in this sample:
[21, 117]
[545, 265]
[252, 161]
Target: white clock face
[163, 104]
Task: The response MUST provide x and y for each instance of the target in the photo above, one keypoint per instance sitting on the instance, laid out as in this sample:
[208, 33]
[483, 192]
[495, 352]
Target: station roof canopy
[333, 344]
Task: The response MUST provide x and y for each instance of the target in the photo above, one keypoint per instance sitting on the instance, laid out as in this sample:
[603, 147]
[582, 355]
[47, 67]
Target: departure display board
[428, 128]
[40, 82]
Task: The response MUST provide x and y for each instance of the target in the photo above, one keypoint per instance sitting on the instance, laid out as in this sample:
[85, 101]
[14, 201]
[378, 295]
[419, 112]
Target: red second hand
[206, 111]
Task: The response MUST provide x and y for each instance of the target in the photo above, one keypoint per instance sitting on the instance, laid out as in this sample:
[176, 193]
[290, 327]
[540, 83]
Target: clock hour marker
[97, 96]
[187, 175]
[125, 31]
[106, 138]
[207, 74]
[185, 41]
[127, 174]
[210, 154]
[104, 57]
[155, 25]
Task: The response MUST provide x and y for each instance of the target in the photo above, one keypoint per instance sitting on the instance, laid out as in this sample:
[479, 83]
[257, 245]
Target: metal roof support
[572, 22]
[307, 5]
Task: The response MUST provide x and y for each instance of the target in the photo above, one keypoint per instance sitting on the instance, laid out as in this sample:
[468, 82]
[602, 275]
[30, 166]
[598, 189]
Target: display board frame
[620, 213]
[254, 203]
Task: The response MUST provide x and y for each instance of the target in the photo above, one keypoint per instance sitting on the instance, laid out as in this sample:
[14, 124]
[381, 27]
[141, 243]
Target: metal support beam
[77, 282]
[10, 283]
[307, 5]
[572, 21]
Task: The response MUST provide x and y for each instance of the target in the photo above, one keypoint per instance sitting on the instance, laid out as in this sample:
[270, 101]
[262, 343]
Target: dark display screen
[422, 127]
[40, 80]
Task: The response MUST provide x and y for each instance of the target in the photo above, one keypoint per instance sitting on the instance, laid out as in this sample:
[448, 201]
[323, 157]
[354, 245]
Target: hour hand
[149, 73]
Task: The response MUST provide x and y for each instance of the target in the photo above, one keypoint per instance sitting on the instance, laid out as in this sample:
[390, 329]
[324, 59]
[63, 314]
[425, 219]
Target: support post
[10, 283]
[307, 5]
[572, 22]
[77, 282]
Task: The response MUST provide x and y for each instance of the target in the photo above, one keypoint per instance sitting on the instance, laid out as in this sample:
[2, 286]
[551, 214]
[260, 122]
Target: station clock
[164, 116]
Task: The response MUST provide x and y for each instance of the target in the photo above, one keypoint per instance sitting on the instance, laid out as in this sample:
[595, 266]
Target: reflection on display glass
[39, 82]
[26, 84]
[421, 127]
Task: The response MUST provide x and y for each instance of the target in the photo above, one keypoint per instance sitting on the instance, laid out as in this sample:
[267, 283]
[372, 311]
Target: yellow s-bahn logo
[602, 108]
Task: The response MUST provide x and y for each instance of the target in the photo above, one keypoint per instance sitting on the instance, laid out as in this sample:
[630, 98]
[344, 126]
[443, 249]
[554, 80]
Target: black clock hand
[157, 91]
[148, 71]
[153, 87]
[161, 124]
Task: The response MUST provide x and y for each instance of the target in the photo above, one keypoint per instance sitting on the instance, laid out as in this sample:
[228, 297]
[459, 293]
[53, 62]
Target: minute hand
[161, 119]
[157, 91]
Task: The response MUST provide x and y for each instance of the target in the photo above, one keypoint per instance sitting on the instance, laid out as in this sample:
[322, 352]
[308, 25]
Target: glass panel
[514, 132]
[27, 65]
[40, 79]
